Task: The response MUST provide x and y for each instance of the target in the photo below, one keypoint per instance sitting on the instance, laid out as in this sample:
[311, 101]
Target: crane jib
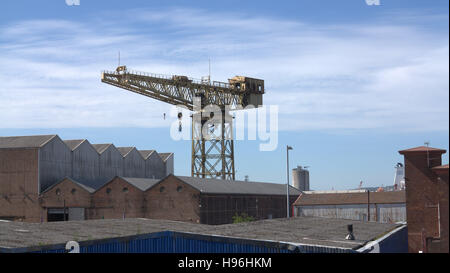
[211, 158]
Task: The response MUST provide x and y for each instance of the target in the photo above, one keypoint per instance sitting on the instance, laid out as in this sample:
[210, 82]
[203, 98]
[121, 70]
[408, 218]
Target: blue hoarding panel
[178, 242]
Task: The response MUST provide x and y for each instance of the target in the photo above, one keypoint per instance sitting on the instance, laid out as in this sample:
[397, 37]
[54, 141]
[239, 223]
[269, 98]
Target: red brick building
[180, 198]
[426, 199]
[215, 201]
[31, 165]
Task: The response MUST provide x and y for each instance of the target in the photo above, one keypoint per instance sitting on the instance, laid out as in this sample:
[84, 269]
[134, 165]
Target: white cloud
[384, 75]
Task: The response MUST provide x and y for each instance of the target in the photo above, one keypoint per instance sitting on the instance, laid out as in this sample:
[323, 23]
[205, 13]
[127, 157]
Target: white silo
[300, 178]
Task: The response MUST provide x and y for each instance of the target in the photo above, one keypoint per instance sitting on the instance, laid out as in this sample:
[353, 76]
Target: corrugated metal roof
[141, 183]
[125, 150]
[101, 147]
[219, 186]
[165, 156]
[74, 143]
[146, 153]
[422, 149]
[36, 141]
[388, 197]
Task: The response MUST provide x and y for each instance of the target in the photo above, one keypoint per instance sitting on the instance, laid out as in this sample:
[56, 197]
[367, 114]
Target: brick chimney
[424, 199]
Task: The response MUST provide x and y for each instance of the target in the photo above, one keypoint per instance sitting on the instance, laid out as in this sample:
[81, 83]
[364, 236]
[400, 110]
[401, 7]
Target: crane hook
[180, 115]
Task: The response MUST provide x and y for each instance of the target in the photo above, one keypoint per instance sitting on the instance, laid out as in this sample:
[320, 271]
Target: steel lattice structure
[212, 136]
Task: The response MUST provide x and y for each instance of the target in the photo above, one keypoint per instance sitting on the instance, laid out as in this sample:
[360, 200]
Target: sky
[354, 83]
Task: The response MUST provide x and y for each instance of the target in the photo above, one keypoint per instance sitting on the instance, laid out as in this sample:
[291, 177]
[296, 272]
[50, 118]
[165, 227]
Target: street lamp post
[287, 174]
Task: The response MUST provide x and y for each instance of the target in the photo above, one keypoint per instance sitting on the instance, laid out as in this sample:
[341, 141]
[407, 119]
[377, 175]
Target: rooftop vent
[350, 235]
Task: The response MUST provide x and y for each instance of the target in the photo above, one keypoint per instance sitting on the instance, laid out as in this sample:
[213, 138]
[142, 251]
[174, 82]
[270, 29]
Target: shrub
[242, 218]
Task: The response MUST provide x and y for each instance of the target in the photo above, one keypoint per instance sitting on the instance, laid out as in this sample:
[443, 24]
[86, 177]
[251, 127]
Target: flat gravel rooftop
[299, 230]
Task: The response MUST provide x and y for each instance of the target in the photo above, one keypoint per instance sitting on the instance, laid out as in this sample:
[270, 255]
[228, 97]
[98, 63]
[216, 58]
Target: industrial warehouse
[30, 165]
[363, 205]
[44, 178]
[74, 179]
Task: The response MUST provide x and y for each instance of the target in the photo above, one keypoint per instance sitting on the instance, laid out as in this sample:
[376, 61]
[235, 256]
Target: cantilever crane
[212, 150]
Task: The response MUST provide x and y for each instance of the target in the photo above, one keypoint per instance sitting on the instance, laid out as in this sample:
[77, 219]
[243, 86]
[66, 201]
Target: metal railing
[170, 77]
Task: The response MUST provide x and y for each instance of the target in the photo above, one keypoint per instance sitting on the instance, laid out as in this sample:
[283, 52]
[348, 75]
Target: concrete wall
[383, 213]
[134, 165]
[55, 163]
[173, 199]
[154, 166]
[18, 185]
[85, 165]
[111, 201]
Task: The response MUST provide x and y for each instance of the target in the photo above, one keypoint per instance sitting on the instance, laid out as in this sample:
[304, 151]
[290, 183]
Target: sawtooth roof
[74, 143]
[146, 153]
[101, 147]
[125, 150]
[165, 156]
[36, 141]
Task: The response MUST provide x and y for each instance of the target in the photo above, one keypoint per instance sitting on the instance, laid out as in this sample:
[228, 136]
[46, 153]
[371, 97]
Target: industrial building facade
[30, 165]
[179, 198]
[383, 207]
[427, 212]
[43, 178]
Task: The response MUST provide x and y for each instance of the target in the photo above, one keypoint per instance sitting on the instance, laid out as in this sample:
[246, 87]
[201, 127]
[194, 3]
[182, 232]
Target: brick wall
[65, 194]
[422, 197]
[442, 183]
[117, 199]
[18, 185]
[173, 199]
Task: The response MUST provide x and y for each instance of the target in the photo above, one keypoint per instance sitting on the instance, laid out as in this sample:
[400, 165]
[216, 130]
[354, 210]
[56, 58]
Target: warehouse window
[125, 190]
[73, 191]
[179, 188]
[161, 189]
[58, 191]
[108, 190]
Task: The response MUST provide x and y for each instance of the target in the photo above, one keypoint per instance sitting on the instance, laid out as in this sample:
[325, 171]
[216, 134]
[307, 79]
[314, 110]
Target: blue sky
[354, 83]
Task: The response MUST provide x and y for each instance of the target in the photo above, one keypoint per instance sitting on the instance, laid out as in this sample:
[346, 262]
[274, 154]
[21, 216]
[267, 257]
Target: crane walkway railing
[170, 77]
